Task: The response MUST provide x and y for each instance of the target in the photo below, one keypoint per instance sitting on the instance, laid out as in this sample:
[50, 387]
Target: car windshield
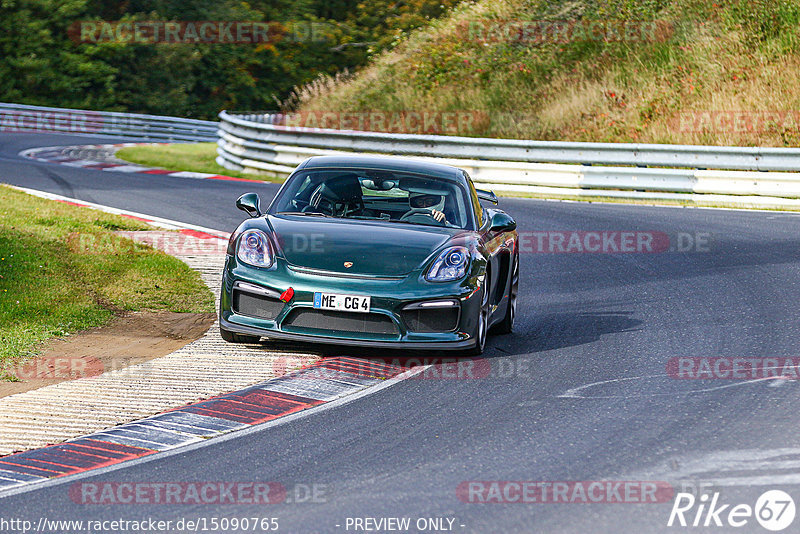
[375, 195]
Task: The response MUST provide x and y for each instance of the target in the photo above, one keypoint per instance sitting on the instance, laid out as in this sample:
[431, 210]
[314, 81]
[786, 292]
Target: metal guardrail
[267, 127]
[23, 118]
[261, 143]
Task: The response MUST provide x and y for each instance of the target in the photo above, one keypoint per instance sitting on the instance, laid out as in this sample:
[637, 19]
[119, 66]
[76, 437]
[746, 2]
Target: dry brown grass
[661, 92]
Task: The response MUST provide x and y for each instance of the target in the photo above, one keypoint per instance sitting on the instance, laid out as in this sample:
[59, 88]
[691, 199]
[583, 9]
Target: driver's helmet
[426, 200]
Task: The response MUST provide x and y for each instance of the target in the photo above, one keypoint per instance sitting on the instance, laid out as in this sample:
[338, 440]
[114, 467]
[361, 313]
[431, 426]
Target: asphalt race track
[580, 391]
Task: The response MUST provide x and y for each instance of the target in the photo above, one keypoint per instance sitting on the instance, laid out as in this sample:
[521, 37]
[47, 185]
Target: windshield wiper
[403, 222]
[365, 218]
[446, 225]
[309, 213]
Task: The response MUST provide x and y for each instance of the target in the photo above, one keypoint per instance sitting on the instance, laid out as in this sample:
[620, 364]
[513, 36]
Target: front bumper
[309, 338]
[389, 297]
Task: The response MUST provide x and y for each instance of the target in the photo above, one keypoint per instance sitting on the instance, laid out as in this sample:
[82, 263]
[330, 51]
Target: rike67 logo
[774, 510]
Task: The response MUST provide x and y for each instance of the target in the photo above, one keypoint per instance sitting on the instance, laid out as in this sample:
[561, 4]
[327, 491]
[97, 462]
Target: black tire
[506, 326]
[481, 331]
[233, 337]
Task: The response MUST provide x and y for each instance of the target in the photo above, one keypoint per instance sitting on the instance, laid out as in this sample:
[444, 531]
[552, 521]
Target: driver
[427, 201]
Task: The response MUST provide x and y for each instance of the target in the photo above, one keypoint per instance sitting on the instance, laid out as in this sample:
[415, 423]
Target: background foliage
[41, 65]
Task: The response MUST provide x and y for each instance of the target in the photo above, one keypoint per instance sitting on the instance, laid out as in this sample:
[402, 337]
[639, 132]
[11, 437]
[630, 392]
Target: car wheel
[481, 331]
[507, 324]
[233, 337]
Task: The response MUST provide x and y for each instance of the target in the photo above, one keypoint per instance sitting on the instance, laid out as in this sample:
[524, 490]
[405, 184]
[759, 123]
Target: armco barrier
[23, 118]
[266, 127]
[260, 143]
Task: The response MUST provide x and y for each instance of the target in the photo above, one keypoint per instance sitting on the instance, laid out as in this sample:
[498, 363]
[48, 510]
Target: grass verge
[193, 157]
[51, 284]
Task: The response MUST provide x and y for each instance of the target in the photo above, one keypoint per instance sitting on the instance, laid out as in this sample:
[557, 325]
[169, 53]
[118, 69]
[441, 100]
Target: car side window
[476, 203]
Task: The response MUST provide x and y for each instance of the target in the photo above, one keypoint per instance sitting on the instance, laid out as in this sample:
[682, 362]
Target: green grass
[193, 157]
[52, 284]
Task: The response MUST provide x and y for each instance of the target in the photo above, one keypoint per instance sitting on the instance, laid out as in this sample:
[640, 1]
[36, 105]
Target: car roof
[388, 163]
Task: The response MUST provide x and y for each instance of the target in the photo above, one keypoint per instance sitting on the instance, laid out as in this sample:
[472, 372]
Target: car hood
[372, 247]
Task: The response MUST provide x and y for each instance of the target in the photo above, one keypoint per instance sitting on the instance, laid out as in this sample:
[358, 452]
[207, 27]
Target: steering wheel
[317, 203]
[421, 215]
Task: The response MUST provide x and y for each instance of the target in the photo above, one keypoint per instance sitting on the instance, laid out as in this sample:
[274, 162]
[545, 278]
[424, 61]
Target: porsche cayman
[372, 251]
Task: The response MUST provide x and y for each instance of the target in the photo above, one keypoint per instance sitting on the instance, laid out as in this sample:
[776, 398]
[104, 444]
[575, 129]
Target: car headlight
[450, 265]
[255, 249]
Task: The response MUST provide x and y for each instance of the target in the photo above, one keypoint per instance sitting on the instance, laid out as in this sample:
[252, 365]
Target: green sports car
[372, 251]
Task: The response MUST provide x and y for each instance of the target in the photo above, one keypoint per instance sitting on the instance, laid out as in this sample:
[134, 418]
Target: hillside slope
[681, 71]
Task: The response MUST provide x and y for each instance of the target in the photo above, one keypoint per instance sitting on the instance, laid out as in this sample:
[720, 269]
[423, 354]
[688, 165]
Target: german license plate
[335, 301]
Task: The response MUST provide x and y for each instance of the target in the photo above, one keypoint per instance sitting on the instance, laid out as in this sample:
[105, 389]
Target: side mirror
[488, 196]
[502, 222]
[250, 204]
